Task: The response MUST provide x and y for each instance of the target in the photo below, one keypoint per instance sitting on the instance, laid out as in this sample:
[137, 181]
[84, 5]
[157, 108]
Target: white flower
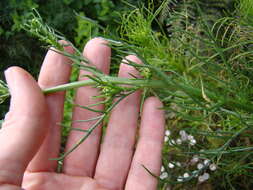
[180, 179]
[167, 133]
[195, 159]
[206, 176]
[206, 162]
[201, 179]
[193, 142]
[178, 164]
[179, 141]
[212, 167]
[162, 169]
[170, 165]
[164, 175]
[190, 137]
[166, 139]
[184, 138]
[186, 175]
[184, 135]
[200, 166]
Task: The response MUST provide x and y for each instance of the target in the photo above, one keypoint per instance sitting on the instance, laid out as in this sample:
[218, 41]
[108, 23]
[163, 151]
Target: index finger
[23, 130]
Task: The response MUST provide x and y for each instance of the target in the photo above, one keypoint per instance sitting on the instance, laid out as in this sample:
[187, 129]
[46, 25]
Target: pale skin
[31, 132]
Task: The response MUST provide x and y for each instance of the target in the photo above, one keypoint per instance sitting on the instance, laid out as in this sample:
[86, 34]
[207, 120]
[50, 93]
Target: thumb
[24, 128]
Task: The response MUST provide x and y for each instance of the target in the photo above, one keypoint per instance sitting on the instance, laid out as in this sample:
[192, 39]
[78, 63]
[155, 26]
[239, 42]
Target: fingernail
[9, 76]
[7, 116]
[99, 37]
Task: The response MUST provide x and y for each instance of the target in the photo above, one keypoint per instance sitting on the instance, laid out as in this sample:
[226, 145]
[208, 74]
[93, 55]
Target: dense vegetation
[19, 48]
[197, 58]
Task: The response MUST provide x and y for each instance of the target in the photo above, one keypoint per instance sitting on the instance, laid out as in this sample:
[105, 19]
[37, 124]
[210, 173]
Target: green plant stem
[141, 83]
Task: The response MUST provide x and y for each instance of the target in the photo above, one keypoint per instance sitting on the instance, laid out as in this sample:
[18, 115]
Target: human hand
[30, 135]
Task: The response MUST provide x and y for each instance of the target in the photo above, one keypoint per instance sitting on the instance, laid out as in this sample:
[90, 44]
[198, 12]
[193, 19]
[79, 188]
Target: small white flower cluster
[167, 134]
[184, 137]
[170, 165]
[203, 166]
[182, 178]
[164, 174]
[203, 177]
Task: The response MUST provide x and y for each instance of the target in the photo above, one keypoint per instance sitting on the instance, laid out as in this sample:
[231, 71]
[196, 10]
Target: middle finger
[82, 161]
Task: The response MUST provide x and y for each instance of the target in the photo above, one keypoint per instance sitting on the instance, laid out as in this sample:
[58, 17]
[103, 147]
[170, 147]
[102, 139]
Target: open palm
[31, 132]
